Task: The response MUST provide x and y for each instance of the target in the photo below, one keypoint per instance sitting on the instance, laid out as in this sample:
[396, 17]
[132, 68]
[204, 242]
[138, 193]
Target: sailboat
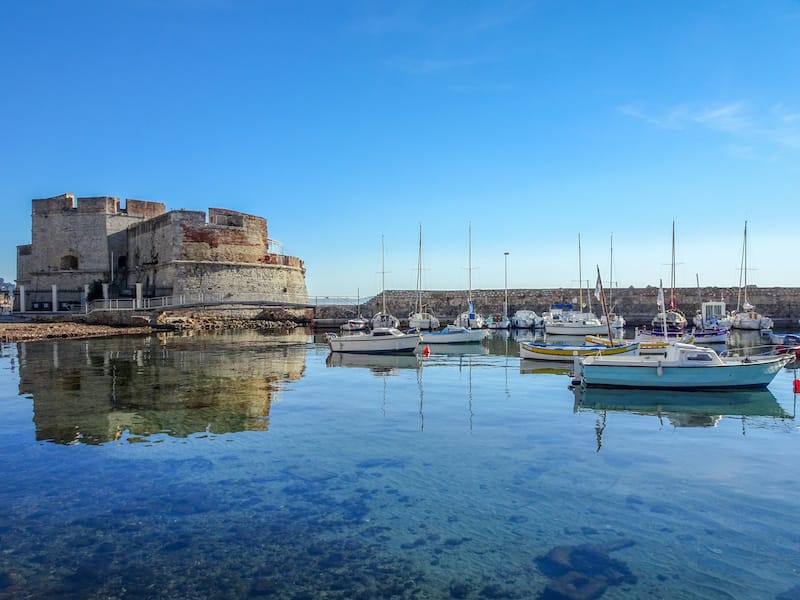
[670, 321]
[421, 319]
[469, 318]
[617, 321]
[357, 323]
[576, 322]
[383, 318]
[501, 321]
[746, 316]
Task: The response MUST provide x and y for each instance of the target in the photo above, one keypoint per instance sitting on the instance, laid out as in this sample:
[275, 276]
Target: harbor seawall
[637, 305]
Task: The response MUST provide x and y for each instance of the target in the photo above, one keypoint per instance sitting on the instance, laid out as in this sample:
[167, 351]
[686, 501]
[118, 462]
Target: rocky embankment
[26, 331]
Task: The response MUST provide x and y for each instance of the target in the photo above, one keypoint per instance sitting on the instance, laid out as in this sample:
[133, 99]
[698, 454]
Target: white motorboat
[680, 366]
[377, 341]
[356, 324]
[454, 334]
[526, 319]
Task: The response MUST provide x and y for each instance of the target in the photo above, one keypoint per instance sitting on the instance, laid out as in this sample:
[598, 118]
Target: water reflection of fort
[96, 390]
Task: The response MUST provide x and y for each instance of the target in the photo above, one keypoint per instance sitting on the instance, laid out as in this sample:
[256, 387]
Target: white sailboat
[746, 316]
[469, 318]
[421, 319]
[358, 323]
[502, 321]
[576, 322]
[384, 319]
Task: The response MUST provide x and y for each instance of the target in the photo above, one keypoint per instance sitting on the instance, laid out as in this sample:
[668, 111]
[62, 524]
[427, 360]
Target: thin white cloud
[751, 131]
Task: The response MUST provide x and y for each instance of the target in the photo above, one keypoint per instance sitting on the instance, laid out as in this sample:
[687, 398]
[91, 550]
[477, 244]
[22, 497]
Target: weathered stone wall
[71, 245]
[274, 282]
[229, 236]
[637, 305]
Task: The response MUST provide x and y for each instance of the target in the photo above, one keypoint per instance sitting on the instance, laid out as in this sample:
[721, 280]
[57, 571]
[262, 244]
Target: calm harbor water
[253, 465]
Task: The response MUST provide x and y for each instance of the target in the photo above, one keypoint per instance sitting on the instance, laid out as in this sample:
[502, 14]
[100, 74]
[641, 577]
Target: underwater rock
[792, 594]
[584, 571]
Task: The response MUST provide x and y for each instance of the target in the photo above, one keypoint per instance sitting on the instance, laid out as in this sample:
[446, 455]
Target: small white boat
[681, 366]
[498, 322]
[383, 320]
[577, 324]
[357, 324]
[526, 319]
[710, 335]
[454, 334]
[422, 320]
[377, 341]
[747, 317]
[470, 320]
[563, 352]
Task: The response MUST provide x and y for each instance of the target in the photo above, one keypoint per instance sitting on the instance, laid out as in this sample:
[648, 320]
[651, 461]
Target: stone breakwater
[637, 305]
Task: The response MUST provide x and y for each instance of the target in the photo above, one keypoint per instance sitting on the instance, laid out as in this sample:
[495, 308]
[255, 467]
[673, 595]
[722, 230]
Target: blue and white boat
[680, 366]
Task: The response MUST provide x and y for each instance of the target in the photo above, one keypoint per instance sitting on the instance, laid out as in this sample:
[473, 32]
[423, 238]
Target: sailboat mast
[419, 272]
[672, 302]
[469, 265]
[744, 258]
[580, 277]
[611, 271]
[383, 277]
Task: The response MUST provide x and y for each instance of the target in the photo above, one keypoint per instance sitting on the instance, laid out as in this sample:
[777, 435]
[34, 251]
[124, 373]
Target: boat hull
[404, 343]
[575, 328]
[468, 336]
[566, 352]
[649, 372]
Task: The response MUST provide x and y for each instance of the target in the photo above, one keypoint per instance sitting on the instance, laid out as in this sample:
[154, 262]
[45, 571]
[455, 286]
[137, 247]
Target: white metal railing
[190, 298]
[339, 300]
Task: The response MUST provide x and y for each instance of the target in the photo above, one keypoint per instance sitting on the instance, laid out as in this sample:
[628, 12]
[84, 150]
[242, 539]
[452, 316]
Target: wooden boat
[377, 341]
[681, 366]
[565, 352]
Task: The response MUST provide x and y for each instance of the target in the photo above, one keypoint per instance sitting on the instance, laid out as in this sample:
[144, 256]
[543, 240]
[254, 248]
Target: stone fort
[90, 248]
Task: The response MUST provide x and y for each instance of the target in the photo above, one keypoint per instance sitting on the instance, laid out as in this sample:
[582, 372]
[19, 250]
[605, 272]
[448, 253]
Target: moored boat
[454, 334]
[380, 340]
[562, 352]
[526, 319]
[681, 366]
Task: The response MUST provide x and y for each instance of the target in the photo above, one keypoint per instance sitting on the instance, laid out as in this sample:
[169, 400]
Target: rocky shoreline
[28, 332]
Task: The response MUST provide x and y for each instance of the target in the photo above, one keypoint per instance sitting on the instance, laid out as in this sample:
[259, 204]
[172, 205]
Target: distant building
[90, 247]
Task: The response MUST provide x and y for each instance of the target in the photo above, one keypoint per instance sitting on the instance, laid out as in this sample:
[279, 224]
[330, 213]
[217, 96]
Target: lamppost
[505, 304]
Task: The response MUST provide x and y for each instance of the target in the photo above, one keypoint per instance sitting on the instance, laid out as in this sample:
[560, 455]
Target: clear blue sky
[341, 121]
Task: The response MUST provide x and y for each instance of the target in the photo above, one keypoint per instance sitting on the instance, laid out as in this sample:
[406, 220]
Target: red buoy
[797, 386]
[427, 352]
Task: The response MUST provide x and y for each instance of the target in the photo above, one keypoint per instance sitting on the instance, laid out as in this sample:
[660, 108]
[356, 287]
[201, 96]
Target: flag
[597, 287]
[660, 300]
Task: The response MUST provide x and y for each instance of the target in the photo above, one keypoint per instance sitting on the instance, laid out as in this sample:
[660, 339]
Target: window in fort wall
[69, 262]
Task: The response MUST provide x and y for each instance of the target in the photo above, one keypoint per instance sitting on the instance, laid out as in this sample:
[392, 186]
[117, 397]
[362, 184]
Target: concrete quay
[637, 305]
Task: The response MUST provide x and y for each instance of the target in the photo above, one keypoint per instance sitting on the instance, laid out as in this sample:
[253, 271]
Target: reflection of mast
[421, 395]
[599, 427]
[469, 380]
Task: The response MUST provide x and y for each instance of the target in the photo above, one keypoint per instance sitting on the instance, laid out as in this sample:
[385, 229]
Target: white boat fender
[659, 369]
